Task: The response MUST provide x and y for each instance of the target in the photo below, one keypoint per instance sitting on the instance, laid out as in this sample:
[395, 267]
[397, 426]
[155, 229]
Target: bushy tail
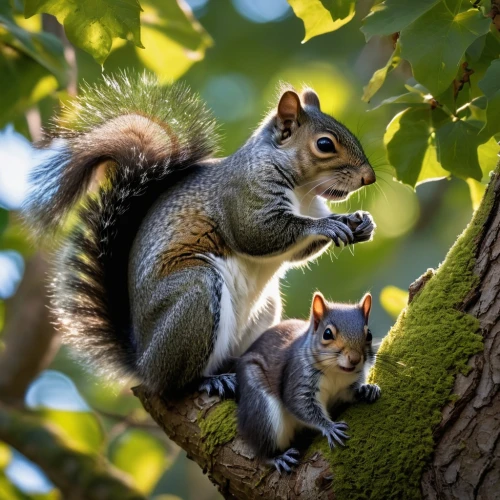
[133, 139]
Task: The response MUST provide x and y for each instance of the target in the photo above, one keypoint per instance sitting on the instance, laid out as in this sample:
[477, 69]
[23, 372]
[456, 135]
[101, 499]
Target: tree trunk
[464, 457]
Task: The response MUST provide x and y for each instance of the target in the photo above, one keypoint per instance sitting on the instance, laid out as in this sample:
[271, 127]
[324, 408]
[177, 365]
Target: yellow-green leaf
[393, 300]
[319, 19]
[378, 78]
[140, 455]
[477, 190]
[172, 37]
[93, 25]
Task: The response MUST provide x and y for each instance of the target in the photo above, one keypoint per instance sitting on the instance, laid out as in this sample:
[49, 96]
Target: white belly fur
[332, 386]
[248, 281]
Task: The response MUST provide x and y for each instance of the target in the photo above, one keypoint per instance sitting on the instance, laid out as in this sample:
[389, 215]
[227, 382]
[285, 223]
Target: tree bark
[466, 462]
[466, 459]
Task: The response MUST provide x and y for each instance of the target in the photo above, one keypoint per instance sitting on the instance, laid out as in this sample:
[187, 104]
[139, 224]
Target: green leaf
[5, 455]
[44, 48]
[431, 168]
[82, 428]
[23, 83]
[393, 300]
[477, 190]
[407, 139]
[392, 16]
[488, 154]
[414, 99]
[490, 85]
[4, 219]
[435, 43]
[93, 25]
[457, 144]
[172, 37]
[140, 455]
[322, 16]
[378, 78]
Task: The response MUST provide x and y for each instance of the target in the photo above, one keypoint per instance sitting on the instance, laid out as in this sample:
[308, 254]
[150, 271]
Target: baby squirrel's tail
[121, 143]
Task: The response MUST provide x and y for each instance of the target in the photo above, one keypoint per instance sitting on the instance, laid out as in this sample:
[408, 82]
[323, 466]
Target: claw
[286, 462]
[223, 385]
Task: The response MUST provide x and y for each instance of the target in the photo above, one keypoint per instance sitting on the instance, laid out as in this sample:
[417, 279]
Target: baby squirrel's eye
[325, 145]
[328, 334]
[369, 336]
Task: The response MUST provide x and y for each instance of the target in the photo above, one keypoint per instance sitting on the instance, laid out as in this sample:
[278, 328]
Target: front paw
[362, 225]
[335, 434]
[368, 393]
[223, 385]
[339, 232]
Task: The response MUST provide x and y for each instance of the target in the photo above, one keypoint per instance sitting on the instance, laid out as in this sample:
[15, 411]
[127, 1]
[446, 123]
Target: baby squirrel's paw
[335, 434]
[368, 393]
[223, 385]
[288, 461]
[362, 226]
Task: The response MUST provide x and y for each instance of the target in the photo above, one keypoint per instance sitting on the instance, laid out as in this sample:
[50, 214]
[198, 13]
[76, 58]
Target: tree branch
[469, 431]
[79, 476]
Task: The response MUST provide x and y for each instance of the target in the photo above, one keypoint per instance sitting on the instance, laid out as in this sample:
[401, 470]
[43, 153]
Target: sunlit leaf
[172, 37]
[407, 139]
[140, 455]
[431, 168]
[392, 16]
[82, 428]
[5, 455]
[490, 85]
[414, 99]
[477, 190]
[488, 155]
[23, 82]
[393, 300]
[436, 41]
[322, 16]
[92, 25]
[44, 48]
[378, 78]
[457, 144]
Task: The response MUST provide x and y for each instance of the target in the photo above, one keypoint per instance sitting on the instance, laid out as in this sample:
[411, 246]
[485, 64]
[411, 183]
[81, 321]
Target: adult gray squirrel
[296, 371]
[172, 258]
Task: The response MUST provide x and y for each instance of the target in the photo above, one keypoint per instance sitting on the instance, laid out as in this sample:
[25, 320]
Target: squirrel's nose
[354, 358]
[367, 175]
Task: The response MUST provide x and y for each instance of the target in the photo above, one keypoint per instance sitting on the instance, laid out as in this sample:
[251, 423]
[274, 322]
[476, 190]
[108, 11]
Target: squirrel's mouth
[345, 369]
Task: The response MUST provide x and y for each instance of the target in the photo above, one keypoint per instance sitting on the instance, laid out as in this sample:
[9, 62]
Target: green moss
[391, 440]
[219, 427]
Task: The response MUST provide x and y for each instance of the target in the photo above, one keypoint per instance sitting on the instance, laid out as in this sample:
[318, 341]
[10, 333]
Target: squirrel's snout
[367, 175]
[354, 358]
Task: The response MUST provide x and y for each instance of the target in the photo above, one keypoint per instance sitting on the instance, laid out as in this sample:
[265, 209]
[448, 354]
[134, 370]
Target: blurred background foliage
[418, 82]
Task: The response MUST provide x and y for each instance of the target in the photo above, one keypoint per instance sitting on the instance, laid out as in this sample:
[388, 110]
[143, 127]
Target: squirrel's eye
[369, 336]
[328, 334]
[325, 145]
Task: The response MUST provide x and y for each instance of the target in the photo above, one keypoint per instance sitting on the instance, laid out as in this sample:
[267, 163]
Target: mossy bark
[435, 432]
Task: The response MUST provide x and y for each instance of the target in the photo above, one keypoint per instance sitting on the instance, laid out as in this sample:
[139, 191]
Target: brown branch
[79, 476]
[30, 340]
[231, 466]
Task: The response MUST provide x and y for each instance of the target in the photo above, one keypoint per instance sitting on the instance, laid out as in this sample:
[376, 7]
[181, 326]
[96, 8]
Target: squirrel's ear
[366, 305]
[318, 308]
[289, 109]
[310, 98]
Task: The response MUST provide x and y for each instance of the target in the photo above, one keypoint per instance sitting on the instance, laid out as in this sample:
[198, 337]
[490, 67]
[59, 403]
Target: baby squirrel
[296, 371]
[173, 258]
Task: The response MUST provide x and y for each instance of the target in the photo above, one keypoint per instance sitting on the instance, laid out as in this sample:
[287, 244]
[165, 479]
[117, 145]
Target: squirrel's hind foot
[287, 461]
[223, 385]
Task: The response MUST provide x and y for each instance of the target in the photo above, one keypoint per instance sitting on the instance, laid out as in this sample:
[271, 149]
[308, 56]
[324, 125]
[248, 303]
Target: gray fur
[289, 364]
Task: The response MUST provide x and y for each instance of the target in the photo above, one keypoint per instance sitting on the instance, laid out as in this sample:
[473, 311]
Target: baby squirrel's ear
[318, 308]
[289, 110]
[310, 98]
[366, 305]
